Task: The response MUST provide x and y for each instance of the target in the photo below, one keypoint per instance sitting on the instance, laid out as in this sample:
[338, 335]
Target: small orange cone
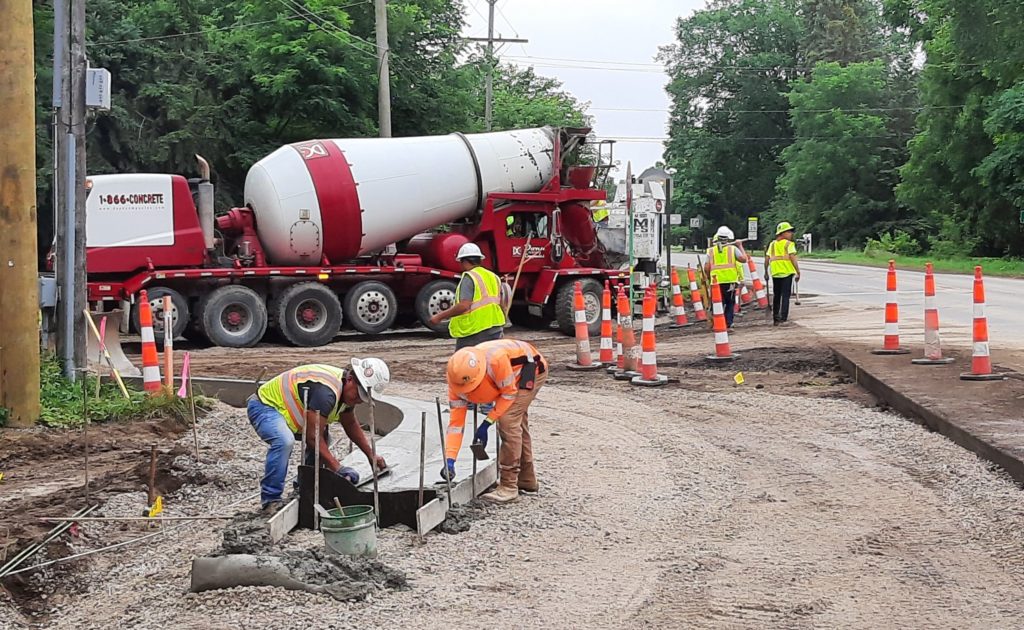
[696, 299]
[981, 362]
[932, 341]
[584, 361]
[629, 354]
[678, 308]
[649, 376]
[607, 355]
[722, 350]
[150, 363]
[892, 316]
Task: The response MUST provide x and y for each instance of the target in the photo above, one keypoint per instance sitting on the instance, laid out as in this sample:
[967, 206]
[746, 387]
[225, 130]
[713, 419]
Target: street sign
[752, 228]
[675, 219]
[697, 222]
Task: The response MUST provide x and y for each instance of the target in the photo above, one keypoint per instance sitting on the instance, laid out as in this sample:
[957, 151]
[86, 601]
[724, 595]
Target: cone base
[884, 351]
[982, 377]
[658, 381]
[686, 325]
[613, 369]
[576, 367]
[626, 375]
[945, 361]
[718, 359]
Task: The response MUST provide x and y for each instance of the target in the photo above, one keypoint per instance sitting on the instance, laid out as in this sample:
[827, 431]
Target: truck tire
[307, 314]
[179, 312]
[433, 298]
[233, 316]
[565, 312]
[371, 307]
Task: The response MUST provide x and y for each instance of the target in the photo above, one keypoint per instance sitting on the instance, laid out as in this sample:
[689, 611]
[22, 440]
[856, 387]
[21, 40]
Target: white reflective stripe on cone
[675, 289]
[721, 337]
[150, 373]
[584, 346]
[147, 334]
[606, 343]
[892, 328]
[979, 310]
[650, 358]
[929, 302]
[580, 317]
[716, 308]
[648, 325]
[698, 306]
[981, 348]
[606, 313]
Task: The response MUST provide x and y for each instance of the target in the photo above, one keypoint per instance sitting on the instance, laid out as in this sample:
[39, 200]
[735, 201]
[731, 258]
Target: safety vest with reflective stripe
[485, 311]
[282, 392]
[723, 264]
[779, 264]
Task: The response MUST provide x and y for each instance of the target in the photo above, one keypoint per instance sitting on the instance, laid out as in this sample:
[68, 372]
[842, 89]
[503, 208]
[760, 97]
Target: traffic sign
[752, 228]
[675, 219]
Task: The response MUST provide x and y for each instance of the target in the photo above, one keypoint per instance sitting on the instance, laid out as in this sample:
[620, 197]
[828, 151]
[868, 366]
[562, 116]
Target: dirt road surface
[790, 501]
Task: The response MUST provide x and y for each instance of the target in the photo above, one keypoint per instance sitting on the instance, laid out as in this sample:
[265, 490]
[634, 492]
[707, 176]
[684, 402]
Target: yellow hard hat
[466, 370]
[784, 227]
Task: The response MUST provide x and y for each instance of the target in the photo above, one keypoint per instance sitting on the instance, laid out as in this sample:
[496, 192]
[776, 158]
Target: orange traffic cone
[932, 341]
[678, 308]
[981, 362]
[629, 353]
[760, 293]
[649, 376]
[584, 361]
[892, 316]
[150, 363]
[722, 350]
[745, 295]
[607, 355]
[696, 299]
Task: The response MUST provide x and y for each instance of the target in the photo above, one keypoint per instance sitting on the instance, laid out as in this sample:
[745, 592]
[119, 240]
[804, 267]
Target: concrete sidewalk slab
[986, 418]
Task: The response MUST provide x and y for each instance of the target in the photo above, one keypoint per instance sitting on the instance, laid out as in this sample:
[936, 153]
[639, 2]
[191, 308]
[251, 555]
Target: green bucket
[350, 531]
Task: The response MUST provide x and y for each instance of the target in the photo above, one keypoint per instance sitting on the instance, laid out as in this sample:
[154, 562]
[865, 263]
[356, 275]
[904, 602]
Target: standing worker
[329, 394]
[723, 265]
[780, 262]
[508, 373]
[477, 315]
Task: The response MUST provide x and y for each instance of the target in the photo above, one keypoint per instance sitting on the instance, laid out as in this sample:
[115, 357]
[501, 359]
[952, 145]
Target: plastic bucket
[351, 531]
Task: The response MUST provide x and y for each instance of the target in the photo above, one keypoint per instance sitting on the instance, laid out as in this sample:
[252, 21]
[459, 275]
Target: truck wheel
[233, 316]
[308, 314]
[371, 307]
[179, 312]
[565, 312]
[433, 298]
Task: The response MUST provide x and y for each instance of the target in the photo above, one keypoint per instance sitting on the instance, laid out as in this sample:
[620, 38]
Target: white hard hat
[469, 250]
[372, 375]
[725, 233]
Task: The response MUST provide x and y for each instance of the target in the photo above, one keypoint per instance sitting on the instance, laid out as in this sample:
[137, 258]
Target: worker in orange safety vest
[508, 373]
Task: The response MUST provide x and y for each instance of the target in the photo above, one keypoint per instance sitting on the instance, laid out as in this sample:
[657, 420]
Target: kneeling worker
[508, 373]
[276, 411]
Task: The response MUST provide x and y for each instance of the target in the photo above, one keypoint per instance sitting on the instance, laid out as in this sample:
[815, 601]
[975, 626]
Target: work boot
[502, 494]
[271, 508]
[529, 486]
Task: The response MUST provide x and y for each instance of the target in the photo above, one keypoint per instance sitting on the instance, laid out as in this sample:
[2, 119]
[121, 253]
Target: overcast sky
[603, 51]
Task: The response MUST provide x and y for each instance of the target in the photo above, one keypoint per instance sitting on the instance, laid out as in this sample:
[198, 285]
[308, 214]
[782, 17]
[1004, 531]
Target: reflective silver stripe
[454, 429]
[508, 396]
[486, 298]
[458, 404]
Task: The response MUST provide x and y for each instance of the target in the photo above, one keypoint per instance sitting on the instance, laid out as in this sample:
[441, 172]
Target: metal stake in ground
[475, 424]
[85, 430]
[192, 407]
[316, 466]
[373, 463]
[152, 477]
[440, 430]
[423, 455]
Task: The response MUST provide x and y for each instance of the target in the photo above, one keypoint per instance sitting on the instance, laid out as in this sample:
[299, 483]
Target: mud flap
[112, 341]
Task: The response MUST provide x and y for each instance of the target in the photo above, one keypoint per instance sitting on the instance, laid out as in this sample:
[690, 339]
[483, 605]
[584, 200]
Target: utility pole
[491, 40]
[19, 338]
[79, 71]
[383, 68]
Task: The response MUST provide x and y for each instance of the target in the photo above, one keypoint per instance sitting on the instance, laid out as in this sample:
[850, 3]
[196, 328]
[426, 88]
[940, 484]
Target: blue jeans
[272, 428]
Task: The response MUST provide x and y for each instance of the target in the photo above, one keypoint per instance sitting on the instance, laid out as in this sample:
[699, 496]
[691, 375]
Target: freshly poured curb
[985, 418]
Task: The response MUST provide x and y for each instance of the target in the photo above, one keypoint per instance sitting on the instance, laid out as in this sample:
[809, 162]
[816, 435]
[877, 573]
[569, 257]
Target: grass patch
[61, 400]
[1007, 267]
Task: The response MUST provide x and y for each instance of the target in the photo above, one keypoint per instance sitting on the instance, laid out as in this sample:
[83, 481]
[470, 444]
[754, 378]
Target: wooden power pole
[383, 68]
[19, 328]
[491, 40]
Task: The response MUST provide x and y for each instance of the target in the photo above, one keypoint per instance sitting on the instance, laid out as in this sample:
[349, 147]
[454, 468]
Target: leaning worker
[508, 373]
[724, 265]
[313, 396]
[780, 263]
[478, 315]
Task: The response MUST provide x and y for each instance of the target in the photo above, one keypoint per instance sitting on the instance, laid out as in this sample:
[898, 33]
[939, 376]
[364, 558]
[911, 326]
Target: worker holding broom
[477, 315]
[312, 397]
[723, 266]
[508, 373]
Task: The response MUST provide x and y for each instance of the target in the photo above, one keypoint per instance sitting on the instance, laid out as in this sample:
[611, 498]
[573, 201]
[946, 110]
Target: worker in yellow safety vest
[724, 265]
[477, 316]
[600, 212]
[312, 396]
[780, 263]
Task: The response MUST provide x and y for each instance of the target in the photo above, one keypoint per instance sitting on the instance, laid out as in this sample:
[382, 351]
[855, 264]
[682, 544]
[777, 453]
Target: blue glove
[448, 472]
[481, 432]
[349, 473]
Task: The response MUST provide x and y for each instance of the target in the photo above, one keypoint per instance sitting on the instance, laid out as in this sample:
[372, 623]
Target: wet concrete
[460, 517]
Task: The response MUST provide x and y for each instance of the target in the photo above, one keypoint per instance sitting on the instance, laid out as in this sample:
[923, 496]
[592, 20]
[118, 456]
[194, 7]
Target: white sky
[615, 41]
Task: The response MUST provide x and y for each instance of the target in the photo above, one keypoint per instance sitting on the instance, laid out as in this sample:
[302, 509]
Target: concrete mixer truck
[355, 231]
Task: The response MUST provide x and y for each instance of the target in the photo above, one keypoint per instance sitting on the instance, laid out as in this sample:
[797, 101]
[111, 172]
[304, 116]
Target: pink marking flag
[186, 376]
[103, 335]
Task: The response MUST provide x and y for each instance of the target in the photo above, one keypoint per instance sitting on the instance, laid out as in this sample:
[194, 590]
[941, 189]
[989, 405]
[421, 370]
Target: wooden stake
[440, 430]
[106, 354]
[195, 423]
[152, 475]
[85, 430]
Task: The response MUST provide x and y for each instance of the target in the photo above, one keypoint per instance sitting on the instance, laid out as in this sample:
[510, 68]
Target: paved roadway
[847, 302]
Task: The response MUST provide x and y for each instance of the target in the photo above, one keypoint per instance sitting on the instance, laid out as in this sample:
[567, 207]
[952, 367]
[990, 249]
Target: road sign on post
[751, 228]
[676, 219]
[697, 222]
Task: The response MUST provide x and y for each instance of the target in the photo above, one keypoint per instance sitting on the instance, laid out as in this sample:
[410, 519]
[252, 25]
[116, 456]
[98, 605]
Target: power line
[852, 110]
[662, 139]
[507, 21]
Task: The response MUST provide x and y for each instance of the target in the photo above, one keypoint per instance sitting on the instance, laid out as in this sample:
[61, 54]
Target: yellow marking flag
[738, 378]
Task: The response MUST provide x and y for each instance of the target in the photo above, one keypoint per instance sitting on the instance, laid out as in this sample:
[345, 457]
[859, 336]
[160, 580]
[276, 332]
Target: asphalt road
[847, 302]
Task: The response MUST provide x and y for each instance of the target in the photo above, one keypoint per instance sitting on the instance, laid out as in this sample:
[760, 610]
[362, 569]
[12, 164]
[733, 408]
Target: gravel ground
[659, 508]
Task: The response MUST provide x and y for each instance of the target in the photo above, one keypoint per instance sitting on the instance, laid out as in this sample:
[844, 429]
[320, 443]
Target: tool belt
[531, 367]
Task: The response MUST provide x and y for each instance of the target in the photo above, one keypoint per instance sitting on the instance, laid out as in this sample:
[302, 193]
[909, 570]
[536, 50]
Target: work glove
[448, 472]
[348, 473]
[480, 437]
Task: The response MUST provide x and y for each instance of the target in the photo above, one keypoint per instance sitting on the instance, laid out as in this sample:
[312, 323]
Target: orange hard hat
[466, 370]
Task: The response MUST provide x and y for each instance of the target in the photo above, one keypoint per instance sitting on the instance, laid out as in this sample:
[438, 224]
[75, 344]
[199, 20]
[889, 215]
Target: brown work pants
[515, 459]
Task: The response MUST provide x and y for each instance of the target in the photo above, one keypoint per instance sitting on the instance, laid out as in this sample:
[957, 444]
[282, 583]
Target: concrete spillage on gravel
[674, 508]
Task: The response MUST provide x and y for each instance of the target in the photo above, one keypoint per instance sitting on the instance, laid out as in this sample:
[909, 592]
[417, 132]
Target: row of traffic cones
[981, 361]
